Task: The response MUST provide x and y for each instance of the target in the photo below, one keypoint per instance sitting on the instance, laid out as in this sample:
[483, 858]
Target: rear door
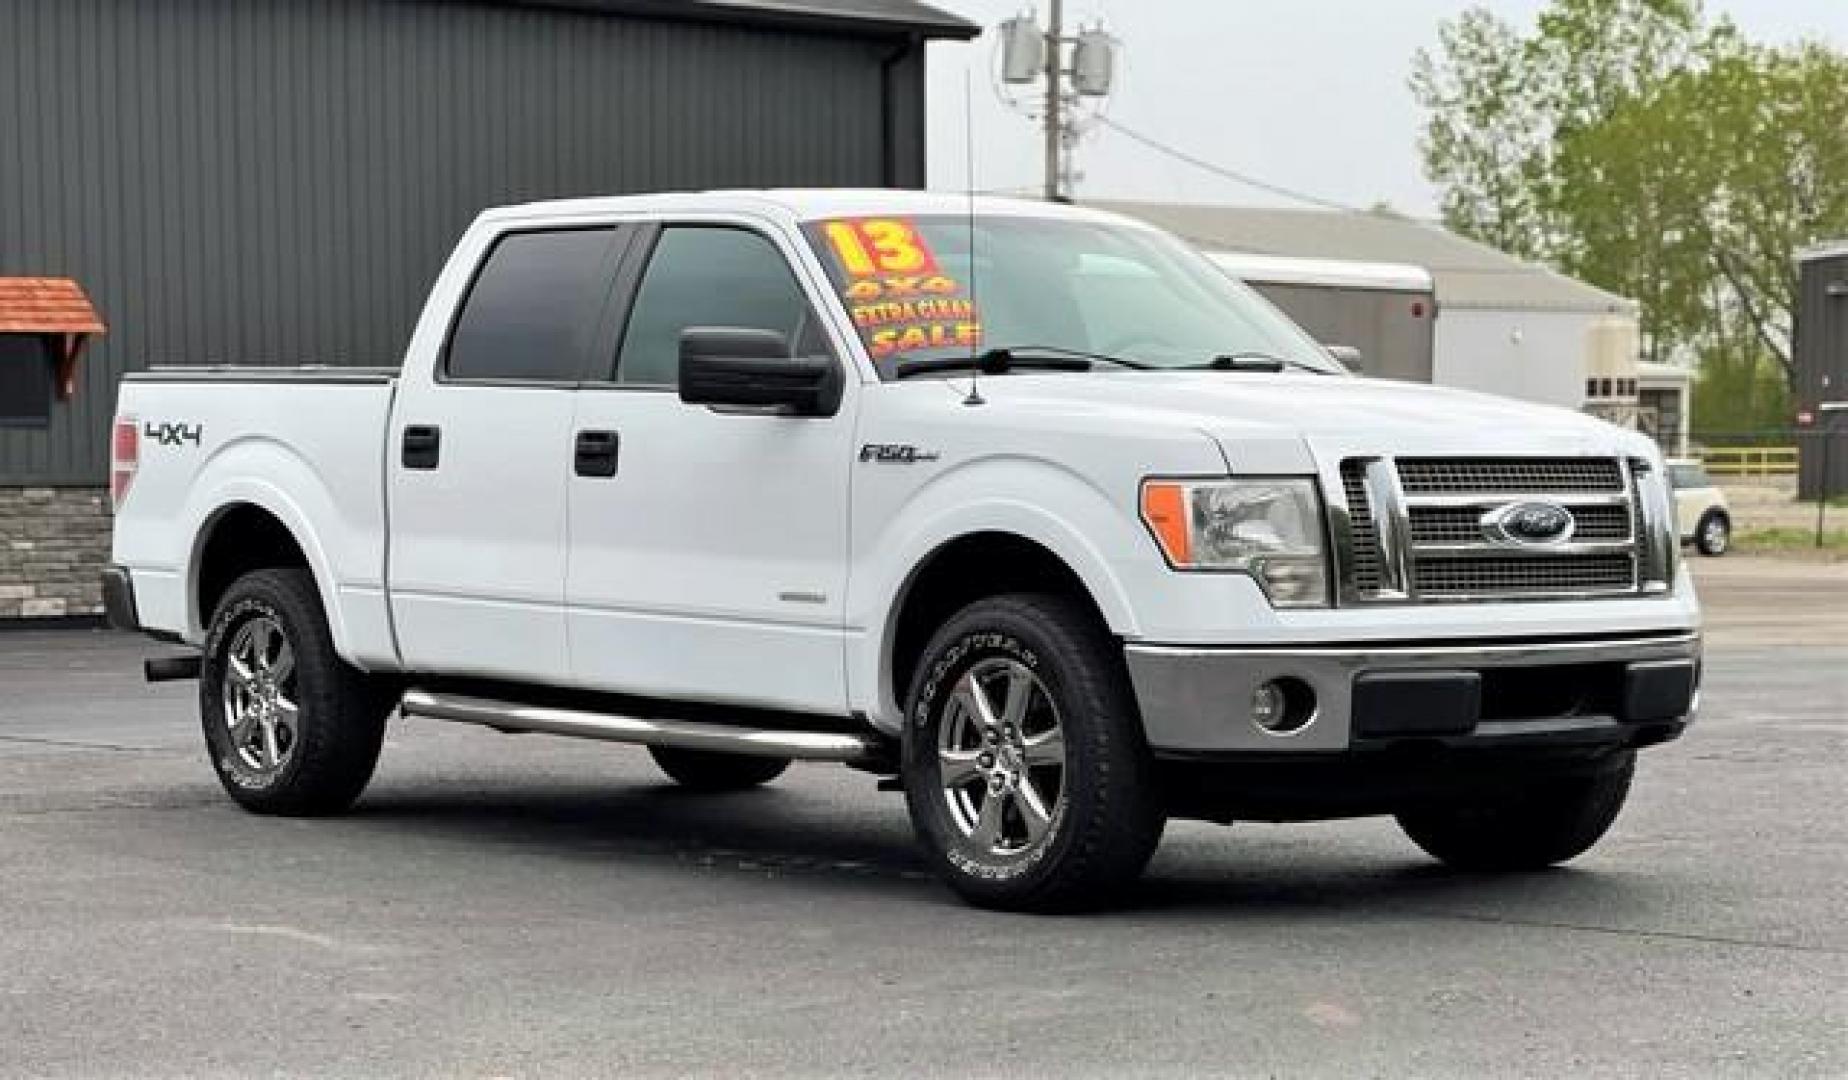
[479, 457]
[709, 551]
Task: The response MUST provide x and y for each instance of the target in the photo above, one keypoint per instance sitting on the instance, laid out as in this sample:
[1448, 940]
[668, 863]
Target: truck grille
[1420, 529]
[1463, 524]
[1509, 476]
[1364, 562]
[1488, 575]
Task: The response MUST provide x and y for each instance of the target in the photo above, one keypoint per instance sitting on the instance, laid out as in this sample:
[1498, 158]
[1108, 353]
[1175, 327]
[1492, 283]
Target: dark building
[278, 181]
[1821, 358]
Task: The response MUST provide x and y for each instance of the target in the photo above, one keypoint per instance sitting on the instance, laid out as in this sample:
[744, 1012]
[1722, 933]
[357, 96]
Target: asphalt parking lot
[518, 906]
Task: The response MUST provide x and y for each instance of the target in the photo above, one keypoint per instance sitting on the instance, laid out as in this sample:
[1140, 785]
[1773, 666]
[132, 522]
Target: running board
[681, 734]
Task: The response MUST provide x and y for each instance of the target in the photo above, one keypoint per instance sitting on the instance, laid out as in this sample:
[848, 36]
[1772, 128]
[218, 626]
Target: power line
[1222, 171]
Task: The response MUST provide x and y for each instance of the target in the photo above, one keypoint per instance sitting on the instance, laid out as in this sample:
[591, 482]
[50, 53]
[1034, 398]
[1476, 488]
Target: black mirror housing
[752, 369]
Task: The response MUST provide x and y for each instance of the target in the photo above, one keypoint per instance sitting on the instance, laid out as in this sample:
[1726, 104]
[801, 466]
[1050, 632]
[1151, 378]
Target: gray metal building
[1821, 359]
[277, 181]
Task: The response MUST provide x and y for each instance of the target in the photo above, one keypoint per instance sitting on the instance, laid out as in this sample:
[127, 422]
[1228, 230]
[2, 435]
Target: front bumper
[1632, 690]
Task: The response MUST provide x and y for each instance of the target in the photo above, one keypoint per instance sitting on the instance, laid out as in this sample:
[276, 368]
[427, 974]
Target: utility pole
[1055, 127]
[1077, 70]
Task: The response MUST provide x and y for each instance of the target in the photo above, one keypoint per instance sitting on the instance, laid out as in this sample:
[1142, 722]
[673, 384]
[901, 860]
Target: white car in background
[1700, 507]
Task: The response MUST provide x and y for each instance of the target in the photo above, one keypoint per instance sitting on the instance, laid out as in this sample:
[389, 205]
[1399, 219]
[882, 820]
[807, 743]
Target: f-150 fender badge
[896, 453]
[166, 434]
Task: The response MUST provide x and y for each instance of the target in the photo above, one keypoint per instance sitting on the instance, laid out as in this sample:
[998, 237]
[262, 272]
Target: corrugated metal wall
[277, 181]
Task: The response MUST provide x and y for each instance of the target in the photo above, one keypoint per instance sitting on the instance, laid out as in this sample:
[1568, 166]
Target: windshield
[1082, 287]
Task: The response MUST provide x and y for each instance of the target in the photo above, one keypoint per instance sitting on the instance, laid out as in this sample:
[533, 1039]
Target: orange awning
[55, 308]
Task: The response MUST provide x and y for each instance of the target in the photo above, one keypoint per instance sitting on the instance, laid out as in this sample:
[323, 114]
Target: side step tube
[508, 716]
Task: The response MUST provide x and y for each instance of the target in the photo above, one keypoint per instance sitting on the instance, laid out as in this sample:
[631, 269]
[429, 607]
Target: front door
[709, 550]
[479, 455]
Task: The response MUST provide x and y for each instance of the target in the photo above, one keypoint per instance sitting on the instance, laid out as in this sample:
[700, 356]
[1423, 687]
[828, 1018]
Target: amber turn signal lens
[1164, 508]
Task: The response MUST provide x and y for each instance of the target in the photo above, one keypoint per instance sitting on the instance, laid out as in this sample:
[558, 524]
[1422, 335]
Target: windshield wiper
[1255, 361]
[1007, 358]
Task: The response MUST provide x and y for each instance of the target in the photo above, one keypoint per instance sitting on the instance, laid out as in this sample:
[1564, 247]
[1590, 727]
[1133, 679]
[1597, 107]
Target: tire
[708, 770]
[1713, 536]
[325, 721]
[1540, 826]
[1076, 815]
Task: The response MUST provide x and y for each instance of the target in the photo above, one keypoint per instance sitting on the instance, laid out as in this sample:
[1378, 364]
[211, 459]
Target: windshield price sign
[899, 297]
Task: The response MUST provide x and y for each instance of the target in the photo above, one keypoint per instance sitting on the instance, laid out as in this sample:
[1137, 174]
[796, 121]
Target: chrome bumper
[1197, 699]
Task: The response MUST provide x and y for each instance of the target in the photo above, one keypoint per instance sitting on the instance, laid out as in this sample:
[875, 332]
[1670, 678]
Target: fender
[265, 473]
[1068, 516]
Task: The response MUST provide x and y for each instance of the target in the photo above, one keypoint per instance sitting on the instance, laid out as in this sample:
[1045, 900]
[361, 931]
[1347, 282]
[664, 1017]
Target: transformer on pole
[1076, 70]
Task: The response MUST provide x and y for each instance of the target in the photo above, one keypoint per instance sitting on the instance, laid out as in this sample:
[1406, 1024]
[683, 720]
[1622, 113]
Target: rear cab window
[533, 307]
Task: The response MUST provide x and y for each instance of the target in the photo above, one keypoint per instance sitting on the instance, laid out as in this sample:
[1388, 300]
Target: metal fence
[1812, 460]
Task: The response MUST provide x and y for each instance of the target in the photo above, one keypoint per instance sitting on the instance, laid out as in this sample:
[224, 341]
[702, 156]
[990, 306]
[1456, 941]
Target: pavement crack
[107, 807]
[79, 744]
[1619, 931]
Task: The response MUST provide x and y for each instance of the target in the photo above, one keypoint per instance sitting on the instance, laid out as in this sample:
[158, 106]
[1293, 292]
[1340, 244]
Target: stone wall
[53, 544]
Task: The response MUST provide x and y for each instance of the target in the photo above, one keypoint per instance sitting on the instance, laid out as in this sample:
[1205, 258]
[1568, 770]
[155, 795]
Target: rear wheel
[1538, 826]
[708, 770]
[1024, 766]
[1714, 536]
[290, 727]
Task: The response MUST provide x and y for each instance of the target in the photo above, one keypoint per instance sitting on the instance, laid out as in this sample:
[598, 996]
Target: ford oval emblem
[1529, 524]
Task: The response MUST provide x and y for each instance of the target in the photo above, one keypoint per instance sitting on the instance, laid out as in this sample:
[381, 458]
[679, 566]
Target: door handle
[596, 453]
[423, 446]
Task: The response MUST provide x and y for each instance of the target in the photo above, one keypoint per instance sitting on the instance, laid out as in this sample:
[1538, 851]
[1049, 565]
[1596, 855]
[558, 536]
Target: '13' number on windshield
[870, 246]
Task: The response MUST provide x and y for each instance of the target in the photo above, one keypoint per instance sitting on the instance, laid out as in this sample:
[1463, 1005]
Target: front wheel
[291, 728]
[1535, 827]
[1714, 535]
[1025, 770]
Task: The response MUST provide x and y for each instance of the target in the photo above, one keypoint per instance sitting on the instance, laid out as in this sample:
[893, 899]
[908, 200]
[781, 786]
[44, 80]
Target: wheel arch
[254, 530]
[964, 567]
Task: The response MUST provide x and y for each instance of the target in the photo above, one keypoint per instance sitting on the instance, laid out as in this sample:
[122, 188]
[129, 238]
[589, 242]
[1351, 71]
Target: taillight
[124, 458]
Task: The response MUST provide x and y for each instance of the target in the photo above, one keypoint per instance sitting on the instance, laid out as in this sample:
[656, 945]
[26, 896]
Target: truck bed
[304, 443]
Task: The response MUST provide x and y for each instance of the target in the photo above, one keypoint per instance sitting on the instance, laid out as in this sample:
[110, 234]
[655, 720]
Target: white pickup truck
[1027, 507]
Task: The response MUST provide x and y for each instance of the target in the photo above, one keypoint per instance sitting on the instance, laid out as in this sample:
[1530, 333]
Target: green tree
[1485, 143]
[1633, 144]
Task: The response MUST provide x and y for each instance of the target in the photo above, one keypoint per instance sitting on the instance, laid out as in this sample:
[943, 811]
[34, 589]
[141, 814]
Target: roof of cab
[807, 204]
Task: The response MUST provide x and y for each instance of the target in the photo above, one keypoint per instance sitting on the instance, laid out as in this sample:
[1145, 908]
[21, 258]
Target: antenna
[975, 305]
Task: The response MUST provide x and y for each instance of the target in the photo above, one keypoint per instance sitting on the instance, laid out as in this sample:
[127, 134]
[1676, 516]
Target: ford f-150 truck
[1027, 508]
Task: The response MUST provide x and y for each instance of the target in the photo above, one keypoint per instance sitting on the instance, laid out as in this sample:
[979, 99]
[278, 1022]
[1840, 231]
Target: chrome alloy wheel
[1001, 755]
[260, 695]
[1714, 536]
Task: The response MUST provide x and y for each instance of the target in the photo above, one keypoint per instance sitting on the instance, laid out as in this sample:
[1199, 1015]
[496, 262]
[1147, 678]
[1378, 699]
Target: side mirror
[743, 368]
[1348, 356]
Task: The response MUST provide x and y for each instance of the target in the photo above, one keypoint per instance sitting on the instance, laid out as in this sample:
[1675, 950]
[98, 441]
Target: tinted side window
[528, 315]
[710, 276]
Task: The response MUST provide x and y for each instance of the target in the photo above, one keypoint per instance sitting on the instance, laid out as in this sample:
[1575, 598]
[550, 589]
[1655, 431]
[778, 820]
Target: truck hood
[1262, 421]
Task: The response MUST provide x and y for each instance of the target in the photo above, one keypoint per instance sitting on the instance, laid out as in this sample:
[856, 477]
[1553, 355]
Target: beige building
[1497, 324]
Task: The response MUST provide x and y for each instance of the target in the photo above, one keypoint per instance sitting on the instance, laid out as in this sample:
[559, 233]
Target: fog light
[1267, 705]
[1282, 706]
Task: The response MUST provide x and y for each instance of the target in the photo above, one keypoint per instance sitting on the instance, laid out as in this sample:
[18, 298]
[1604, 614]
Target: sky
[1307, 94]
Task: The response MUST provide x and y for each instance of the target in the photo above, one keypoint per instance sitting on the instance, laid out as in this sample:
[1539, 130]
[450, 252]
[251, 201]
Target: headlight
[1270, 529]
